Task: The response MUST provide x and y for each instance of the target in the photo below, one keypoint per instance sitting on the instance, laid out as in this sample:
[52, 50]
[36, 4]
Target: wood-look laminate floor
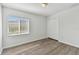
[42, 47]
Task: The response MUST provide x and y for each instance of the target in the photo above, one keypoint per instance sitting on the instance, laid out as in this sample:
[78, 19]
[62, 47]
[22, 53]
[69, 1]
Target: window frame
[19, 31]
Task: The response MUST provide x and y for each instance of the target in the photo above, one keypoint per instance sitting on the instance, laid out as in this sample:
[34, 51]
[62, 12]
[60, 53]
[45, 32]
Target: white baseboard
[1, 51]
[22, 43]
[69, 43]
[40, 39]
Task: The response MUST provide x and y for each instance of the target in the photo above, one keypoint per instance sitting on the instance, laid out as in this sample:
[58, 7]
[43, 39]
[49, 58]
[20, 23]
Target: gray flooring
[42, 47]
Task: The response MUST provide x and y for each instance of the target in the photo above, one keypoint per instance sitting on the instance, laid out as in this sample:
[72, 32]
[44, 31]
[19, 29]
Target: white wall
[70, 27]
[67, 26]
[52, 27]
[37, 28]
[0, 29]
[62, 26]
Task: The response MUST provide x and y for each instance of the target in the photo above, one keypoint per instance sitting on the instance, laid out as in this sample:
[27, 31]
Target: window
[18, 25]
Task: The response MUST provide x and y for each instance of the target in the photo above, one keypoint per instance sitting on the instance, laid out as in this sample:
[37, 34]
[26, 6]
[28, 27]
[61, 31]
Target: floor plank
[42, 47]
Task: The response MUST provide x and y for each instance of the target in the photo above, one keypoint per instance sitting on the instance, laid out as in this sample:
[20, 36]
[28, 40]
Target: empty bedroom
[39, 28]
